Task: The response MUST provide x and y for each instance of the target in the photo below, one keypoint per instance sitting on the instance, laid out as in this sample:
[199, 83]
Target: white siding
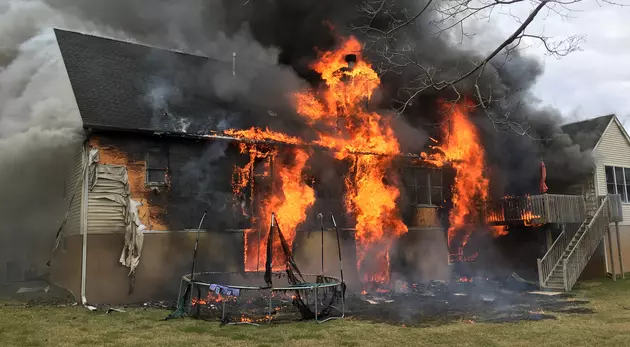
[107, 200]
[74, 186]
[613, 150]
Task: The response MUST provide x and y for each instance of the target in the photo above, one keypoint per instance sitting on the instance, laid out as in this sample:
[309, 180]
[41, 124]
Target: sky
[594, 81]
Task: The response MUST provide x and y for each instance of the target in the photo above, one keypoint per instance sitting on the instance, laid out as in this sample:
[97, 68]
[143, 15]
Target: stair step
[554, 284]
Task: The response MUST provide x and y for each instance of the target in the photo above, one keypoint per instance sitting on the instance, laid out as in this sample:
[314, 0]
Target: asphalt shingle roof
[125, 86]
[588, 132]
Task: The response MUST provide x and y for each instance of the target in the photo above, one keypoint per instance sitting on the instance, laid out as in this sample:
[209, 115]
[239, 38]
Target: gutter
[84, 207]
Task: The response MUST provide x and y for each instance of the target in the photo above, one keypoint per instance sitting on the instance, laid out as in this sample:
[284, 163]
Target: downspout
[84, 213]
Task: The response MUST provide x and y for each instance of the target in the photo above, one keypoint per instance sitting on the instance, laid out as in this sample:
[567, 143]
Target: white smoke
[40, 124]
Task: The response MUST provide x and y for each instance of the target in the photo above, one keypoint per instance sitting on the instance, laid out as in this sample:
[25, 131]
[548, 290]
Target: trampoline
[244, 298]
[260, 296]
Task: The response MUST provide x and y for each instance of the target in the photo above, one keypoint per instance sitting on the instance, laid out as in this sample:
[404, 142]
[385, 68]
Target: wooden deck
[536, 209]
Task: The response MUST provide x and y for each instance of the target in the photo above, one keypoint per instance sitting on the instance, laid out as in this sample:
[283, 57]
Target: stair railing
[553, 257]
[576, 261]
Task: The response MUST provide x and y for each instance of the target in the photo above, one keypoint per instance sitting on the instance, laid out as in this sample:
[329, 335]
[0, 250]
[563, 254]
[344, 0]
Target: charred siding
[198, 177]
[107, 215]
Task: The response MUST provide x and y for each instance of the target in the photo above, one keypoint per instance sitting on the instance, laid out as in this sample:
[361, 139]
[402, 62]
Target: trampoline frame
[312, 287]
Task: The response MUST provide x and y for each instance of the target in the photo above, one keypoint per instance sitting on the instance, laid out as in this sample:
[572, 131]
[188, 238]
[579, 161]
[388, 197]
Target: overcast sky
[596, 80]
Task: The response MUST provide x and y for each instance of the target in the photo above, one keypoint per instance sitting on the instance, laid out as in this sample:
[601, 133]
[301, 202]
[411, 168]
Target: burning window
[157, 168]
[618, 181]
[424, 186]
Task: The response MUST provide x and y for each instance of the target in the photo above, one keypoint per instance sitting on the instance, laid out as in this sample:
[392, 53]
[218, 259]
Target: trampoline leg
[343, 310]
[269, 309]
[179, 291]
[316, 320]
[222, 310]
[198, 306]
[343, 304]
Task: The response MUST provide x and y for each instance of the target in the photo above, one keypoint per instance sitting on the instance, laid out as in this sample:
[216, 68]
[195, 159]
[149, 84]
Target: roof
[588, 132]
[125, 86]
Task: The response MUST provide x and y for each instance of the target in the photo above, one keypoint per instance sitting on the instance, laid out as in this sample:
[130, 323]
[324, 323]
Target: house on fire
[143, 177]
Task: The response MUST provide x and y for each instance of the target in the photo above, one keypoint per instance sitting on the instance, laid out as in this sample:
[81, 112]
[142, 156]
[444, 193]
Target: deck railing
[578, 257]
[536, 209]
[547, 264]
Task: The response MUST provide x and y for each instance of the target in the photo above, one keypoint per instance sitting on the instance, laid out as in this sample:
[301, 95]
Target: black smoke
[39, 119]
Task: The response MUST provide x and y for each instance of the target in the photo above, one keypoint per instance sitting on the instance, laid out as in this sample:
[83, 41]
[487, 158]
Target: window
[157, 168]
[618, 181]
[424, 186]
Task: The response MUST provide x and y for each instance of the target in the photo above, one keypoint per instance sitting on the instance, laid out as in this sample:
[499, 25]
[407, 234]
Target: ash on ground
[473, 301]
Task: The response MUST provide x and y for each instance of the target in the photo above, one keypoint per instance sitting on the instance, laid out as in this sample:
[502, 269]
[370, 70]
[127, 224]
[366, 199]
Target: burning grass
[24, 325]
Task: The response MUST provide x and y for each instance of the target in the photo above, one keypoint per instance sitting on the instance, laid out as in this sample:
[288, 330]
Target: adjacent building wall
[614, 150]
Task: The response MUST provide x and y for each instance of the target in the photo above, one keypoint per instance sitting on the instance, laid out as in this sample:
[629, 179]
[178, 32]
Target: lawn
[74, 326]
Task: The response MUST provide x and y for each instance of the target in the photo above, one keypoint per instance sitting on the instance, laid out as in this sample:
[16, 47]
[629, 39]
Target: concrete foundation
[165, 258]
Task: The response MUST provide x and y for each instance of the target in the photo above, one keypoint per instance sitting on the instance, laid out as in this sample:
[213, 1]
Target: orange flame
[290, 199]
[343, 105]
[342, 122]
[464, 151]
[499, 230]
[257, 134]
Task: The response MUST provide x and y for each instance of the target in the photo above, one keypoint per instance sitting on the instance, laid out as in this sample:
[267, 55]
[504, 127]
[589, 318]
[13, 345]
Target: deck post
[623, 274]
[548, 236]
[610, 253]
[540, 274]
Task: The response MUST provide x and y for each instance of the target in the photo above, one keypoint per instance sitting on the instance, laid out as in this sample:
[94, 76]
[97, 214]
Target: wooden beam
[610, 252]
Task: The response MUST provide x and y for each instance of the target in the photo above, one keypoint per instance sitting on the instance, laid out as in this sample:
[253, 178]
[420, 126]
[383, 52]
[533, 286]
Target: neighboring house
[143, 176]
[610, 144]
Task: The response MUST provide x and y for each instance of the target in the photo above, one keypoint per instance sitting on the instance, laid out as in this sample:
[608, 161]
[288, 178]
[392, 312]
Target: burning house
[158, 151]
[147, 170]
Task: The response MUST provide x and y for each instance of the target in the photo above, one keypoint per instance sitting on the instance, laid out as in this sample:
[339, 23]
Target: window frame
[625, 199]
[421, 178]
[149, 167]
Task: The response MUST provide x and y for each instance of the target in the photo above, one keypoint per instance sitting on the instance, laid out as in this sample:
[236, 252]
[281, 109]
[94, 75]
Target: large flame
[342, 106]
[462, 148]
[364, 139]
[290, 198]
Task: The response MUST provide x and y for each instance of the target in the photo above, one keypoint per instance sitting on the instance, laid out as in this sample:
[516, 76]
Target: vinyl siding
[74, 186]
[107, 201]
[613, 150]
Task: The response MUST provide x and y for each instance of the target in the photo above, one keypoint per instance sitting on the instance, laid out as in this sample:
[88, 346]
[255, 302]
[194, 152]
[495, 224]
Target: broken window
[424, 186]
[157, 167]
[618, 181]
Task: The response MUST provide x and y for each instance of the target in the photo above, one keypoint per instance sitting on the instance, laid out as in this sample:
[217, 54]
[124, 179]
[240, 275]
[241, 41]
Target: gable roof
[587, 133]
[125, 86]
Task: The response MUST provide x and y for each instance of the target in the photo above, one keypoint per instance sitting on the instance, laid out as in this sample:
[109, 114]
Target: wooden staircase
[565, 260]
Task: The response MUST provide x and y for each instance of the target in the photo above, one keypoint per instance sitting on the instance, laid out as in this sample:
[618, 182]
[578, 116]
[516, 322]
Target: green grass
[76, 326]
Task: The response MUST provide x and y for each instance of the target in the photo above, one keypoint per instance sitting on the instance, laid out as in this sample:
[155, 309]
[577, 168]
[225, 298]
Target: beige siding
[613, 150]
[74, 187]
[107, 201]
